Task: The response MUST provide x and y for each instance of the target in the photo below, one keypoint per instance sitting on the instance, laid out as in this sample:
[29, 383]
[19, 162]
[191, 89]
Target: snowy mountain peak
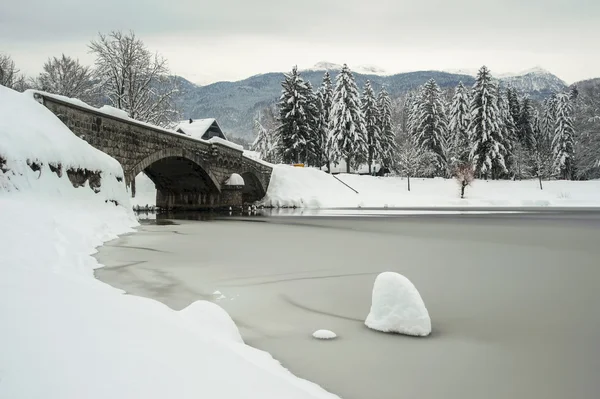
[326, 66]
[363, 69]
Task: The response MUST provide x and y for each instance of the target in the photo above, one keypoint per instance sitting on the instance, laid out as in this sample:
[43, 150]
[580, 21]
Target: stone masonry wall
[130, 143]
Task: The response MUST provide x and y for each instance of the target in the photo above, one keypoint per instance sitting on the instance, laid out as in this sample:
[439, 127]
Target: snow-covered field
[310, 188]
[65, 334]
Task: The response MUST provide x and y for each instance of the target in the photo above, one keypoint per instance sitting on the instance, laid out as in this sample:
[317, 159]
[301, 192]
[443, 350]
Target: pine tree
[459, 125]
[389, 146]
[541, 157]
[513, 104]
[347, 125]
[549, 117]
[524, 124]
[431, 123]
[370, 111]
[512, 153]
[564, 138]
[295, 118]
[484, 129]
[263, 144]
[326, 97]
[410, 110]
[314, 143]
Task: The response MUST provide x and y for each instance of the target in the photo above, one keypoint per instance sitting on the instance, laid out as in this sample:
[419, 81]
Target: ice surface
[235, 180]
[324, 334]
[398, 307]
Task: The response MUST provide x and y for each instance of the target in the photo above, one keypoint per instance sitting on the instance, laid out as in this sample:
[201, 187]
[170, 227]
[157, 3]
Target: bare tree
[67, 77]
[464, 175]
[412, 159]
[133, 79]
[9, 74]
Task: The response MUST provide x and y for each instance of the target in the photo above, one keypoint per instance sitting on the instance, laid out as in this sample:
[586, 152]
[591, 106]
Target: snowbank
[67, 335]
[311, 188]
[398, 307]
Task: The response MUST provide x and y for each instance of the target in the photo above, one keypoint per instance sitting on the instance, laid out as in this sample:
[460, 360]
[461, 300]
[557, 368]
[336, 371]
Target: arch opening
[182, 184]
[253, 190]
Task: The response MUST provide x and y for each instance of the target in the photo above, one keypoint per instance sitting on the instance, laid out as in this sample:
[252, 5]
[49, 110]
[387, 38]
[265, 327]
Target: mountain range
[236, 104]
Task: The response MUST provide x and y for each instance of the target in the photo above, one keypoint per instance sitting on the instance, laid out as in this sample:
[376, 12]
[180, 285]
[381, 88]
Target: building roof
[204, 129]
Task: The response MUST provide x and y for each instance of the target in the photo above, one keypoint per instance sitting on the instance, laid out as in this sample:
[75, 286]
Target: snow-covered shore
[67, 335]
[310, 188]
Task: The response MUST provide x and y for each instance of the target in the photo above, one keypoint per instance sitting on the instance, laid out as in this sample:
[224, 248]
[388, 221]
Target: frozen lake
[513, 298]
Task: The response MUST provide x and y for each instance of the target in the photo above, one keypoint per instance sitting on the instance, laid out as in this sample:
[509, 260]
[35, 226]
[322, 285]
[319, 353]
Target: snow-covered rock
[398, 307]
[235, 180]
[324, 334]
[210, 318]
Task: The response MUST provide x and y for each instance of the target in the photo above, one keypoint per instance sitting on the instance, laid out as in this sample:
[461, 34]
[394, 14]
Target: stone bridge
[188, 173]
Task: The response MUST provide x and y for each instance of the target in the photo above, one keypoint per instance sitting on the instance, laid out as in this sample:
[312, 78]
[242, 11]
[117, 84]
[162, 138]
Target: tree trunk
[370, 159]
[408, 180]
[540, 179]
[462, 189]
[348, 164]
[329, 167]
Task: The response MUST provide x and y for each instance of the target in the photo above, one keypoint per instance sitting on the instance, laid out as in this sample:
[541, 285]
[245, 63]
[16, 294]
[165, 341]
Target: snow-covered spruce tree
[563, 143]
[389, 146]
[586, 122]
[295, 118]
[459, 126]
[412, 159]
[410, 106]
[548, 121]
[542, 157]
[133, 79]
[326, 97]
[67, 77]
[509, 132]
[485, 133]
[347, 125]
[314, 143]
[370, 111]
[431, 123]
[514, 105]
[524, 124]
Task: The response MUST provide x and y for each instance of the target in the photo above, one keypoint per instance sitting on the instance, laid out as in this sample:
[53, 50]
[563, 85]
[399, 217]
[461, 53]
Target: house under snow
[204, 129]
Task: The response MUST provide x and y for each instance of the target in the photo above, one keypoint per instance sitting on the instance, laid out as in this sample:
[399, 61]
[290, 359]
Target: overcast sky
[207, 41]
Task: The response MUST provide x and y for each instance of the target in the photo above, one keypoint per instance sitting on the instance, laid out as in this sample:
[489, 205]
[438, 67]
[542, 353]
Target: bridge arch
[182, 178]
[253, 188]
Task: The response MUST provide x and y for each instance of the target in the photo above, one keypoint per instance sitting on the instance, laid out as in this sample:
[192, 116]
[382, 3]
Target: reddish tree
[464, 175]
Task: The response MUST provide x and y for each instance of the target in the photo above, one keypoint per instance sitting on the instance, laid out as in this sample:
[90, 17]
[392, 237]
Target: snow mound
[324, 334]
[31, 132]
[210, 318]
[235, 180]
[306, 188]
[398, 307]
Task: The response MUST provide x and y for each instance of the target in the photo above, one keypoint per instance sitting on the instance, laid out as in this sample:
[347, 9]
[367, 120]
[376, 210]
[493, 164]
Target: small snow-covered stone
[324, 334]
[398, 307]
